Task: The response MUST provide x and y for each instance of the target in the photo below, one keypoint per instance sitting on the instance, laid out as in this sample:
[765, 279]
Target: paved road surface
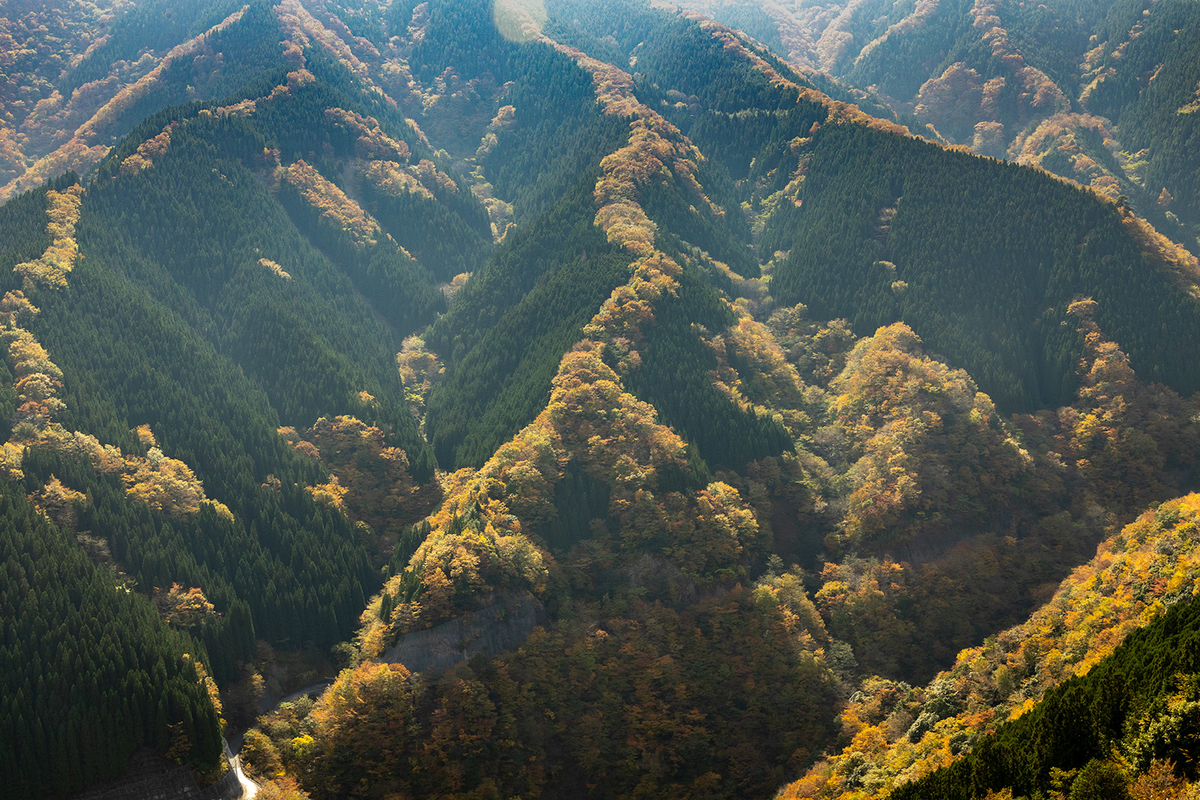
[249, 787]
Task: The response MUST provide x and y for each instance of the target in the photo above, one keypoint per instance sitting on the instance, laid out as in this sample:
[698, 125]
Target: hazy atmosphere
[480, 399]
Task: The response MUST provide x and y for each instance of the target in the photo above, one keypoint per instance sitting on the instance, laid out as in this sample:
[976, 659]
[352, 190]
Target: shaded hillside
[1095, 92]
[90, 672]
[1014, 683]
[162, 324]
[595, 305]
[939, 521]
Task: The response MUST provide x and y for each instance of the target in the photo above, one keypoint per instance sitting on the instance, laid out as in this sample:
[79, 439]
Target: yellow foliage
[220, 508]
[630, 307]
[921, 437]
[165, 484]
[419, 370]
[1152, 561]
[146, 436]
[331, 493]
[105, 458]
[186, 608]
[274, 268]
[12, 455]
[625, 223]
[331, 202]
[14, 307]
[394, 179]
[59, 259]
[59, 503]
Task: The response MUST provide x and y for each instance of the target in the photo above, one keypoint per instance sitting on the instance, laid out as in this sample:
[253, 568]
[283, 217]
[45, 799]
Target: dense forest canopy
[606, 403]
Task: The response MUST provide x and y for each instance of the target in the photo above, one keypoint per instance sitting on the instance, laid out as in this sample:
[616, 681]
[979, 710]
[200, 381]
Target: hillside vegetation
[370, 317]
[1101, 93]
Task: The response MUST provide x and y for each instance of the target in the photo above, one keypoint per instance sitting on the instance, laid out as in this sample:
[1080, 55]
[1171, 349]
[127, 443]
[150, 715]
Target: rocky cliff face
[150, 776]
[491, 630]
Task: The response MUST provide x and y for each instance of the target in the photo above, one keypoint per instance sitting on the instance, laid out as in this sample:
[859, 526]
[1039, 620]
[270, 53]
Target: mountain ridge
[278, 319]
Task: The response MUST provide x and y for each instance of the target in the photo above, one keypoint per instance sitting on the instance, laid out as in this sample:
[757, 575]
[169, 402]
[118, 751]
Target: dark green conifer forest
[597, 401]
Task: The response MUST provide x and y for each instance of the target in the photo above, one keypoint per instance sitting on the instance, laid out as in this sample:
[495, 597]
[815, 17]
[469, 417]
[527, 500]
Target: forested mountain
[1103, 93]
[896, 733]
[362, 320]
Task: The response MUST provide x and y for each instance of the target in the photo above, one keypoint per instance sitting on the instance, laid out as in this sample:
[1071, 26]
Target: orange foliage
[37, 381]
[301, 26]
[146, 436]
[15, 307]
[332, 202]
[105, 458]
[185, 608]
[369, 481]
[147, 153]
[630, 307]
[275, 269]
[818, 350]
[626, 697]
[115, 108]
[657, 151]
[707, 539]
[1134, 576]
[839, 112]
[960, 97]
[372, 143]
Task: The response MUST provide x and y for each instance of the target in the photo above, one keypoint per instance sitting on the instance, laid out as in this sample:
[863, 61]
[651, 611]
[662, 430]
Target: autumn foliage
[331, 202]
[1134, 576]
[369, 480]
[52, 268]
[925, 444]
[584, 709]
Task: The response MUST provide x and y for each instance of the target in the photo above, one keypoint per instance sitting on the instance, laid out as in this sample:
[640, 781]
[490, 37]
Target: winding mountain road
[249, 787]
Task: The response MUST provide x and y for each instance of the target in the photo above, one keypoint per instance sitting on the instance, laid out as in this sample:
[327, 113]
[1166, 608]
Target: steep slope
[853, 205]
[90, 672]
[589, 501]
[1095, 92]
[164, 323]
[113, 70]
[584, 260]
[1029, 684]
[1137, 709]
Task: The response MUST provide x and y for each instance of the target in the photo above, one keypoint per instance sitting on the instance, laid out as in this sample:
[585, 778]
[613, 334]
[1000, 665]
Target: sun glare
[519, 20]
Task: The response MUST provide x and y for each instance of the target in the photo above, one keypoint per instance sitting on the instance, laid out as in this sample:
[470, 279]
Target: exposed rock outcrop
[502, 625]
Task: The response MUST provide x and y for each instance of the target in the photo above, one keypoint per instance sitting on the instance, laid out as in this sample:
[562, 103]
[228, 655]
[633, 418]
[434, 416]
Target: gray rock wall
[502, 625]
[150, 776]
